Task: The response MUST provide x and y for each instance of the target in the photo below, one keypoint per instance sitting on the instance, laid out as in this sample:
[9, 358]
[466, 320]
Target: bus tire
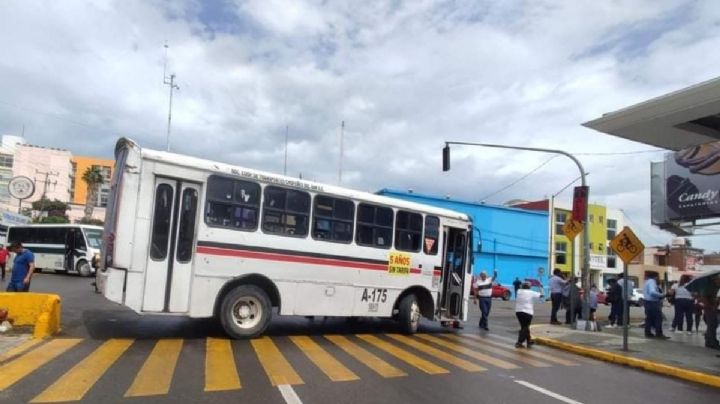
[409, 315]
[83, 268]
[245, 312]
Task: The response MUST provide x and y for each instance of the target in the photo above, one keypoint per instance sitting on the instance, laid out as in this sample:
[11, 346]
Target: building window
[611, 228]
[561, 253]
[333, 219]
[286, 212]
[600, 220]
[232, 203]
[408, 231]
[6, 160]
[103, 199]
[592, 246]
[600, 247]
[611, 258]
[560, 218]
[591, 218]
[374, 226]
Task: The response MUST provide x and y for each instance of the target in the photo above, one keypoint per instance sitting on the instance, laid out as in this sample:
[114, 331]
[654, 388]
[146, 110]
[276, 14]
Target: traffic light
[446, 158]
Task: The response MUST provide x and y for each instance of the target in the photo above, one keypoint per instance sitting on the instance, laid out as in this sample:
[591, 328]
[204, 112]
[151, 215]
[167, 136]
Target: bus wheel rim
[247, 312]
[414, 314]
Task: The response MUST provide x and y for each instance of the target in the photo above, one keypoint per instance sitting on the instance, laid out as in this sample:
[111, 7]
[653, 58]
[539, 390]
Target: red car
[498, 290]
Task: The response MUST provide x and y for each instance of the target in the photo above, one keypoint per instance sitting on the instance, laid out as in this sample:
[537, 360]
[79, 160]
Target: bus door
[453, 273]
[68, 263]
[168, 273]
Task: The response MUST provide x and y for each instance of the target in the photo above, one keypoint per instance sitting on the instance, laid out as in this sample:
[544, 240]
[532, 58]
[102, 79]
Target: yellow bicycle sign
[626, 245]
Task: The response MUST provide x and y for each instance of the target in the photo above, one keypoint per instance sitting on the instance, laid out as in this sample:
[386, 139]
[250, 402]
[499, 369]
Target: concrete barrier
[40, 310]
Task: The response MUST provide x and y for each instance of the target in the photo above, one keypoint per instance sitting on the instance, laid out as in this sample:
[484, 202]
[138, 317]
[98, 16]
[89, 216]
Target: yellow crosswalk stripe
[74, 384]
[527, 352]
[277, 368]
[518, 356]
[444, 356]
[220, 369]
[156, 374]
[18, 349]
[403, 355]
[378, 365]
[335, 370]
[23, 365]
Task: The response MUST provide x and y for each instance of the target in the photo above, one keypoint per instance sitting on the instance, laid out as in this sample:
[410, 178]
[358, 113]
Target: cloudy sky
[404, 76]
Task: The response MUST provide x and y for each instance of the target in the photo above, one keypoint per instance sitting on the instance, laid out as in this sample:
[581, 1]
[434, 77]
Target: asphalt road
[111, 354]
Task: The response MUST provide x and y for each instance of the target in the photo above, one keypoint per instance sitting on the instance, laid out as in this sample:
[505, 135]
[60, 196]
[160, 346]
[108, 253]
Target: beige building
[49, 167]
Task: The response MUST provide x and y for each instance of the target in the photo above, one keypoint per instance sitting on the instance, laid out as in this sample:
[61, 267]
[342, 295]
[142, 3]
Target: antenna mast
[170, 81]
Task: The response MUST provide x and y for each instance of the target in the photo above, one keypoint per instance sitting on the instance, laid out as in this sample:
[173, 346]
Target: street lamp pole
[585, 272]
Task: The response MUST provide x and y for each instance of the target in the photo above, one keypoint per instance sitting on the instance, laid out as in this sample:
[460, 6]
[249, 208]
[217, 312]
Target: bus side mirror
[446, 158]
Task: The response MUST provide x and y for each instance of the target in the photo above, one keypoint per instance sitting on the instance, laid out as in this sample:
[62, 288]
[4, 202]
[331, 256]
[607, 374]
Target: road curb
[654, 367]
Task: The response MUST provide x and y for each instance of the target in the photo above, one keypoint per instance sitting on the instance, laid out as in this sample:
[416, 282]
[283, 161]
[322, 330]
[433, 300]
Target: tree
[50, 209]
[94, 179]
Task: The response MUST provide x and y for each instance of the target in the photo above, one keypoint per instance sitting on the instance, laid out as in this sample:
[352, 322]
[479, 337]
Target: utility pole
[586, 239]
[169, 81]
[46, 182]
[340, 160]
[287, 128]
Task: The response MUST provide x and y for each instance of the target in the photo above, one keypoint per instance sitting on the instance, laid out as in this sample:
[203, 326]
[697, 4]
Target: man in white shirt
[484, 294]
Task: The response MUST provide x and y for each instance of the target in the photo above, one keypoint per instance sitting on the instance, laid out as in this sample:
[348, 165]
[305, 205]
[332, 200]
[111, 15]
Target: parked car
[498, 290]
[636, 299]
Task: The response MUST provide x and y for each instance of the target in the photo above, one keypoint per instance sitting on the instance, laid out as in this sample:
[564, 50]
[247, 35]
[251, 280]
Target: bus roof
[55, 225]
[276, 179]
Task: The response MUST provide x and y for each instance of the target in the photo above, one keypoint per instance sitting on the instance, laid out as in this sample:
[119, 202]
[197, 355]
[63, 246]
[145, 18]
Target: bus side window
[286, 212]
[374, 226]
[232, 203]
[186, 231]
[333, 219]
[432, 233]
[408, 230]
[79, 240]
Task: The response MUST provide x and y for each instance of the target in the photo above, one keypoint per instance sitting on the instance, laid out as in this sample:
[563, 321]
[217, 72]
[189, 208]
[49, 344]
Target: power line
[657, 240]
[519, 179]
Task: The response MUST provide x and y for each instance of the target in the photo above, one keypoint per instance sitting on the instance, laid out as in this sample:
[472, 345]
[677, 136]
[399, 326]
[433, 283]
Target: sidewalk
[669, 357]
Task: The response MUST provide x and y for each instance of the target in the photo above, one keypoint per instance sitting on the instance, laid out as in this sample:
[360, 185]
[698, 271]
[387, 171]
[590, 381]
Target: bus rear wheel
[245, 312]
[409, 315]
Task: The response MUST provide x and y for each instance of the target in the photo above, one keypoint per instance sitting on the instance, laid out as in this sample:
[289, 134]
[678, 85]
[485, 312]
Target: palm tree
[94, 179]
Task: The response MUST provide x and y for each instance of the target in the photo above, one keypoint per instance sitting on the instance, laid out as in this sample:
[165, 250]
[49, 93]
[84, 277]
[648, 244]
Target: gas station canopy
[673, 121]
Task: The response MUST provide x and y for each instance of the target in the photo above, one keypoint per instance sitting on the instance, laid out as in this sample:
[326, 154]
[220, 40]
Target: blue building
[514, 241]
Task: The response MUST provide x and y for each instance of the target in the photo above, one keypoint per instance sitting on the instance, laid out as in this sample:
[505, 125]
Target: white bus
[73, 248]
[185, 236]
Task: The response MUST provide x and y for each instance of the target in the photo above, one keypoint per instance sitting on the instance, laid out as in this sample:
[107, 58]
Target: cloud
[404, 76]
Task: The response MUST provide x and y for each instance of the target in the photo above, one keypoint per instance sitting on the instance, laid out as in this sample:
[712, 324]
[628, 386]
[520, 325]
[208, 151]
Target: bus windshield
[94, 237]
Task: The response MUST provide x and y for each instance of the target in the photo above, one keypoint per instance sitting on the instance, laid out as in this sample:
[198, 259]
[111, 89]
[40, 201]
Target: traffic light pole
[585, 270]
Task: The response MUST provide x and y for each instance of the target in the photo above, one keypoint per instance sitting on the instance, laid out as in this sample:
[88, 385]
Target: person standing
[22, 270]
[574, 302]
[516, 285]
[652, 298]
[484, 294]
[557, 284]
[614, 297]
[524, 313]
[3, 261]
[710, 306]
[684, 305]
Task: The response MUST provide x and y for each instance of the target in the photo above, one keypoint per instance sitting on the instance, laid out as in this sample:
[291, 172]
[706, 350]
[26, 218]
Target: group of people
[524, 302]
[22, 269]
[691, 307]
[565, 293]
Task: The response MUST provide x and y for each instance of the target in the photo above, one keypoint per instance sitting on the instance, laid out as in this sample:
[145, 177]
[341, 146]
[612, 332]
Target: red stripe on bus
[224, 252]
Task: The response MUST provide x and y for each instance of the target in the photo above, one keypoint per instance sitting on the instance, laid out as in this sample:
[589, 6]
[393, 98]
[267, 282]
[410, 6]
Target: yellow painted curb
[659, 368]
[41, 310]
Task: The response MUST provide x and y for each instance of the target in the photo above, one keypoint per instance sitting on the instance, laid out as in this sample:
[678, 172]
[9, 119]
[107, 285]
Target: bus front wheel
[409, 315]
[245, 312]
[83, 268]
